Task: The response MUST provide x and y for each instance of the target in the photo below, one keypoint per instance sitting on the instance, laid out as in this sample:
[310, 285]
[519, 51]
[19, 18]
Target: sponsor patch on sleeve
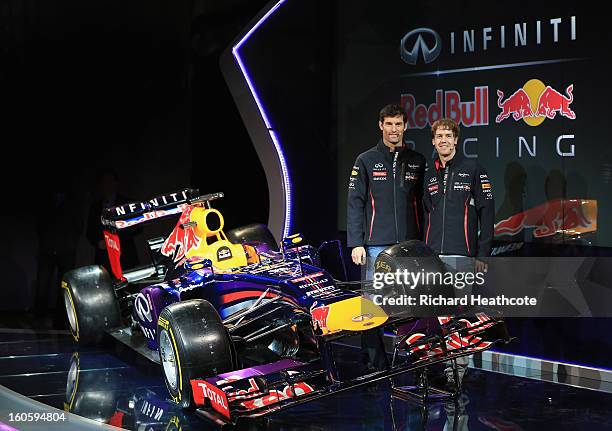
[351, 185]
[486, 186]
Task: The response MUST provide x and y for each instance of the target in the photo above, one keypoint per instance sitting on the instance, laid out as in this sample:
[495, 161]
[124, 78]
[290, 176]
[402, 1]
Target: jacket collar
[385, 150]
[454, 161]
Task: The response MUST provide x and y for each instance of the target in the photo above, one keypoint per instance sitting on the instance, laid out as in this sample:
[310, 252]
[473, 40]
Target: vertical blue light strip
[264, 116]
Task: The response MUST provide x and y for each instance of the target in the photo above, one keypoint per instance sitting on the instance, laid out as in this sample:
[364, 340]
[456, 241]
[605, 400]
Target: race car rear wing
[115, 219]
[134, 213]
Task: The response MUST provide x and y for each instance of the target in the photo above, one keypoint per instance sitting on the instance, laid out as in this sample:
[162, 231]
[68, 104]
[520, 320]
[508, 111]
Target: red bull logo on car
[319, 317]
[182, 239]
[535, 102]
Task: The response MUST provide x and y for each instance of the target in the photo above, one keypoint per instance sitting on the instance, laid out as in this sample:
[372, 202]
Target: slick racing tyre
[90, 302]
[253, 233]
[193, 343]
[414, 257]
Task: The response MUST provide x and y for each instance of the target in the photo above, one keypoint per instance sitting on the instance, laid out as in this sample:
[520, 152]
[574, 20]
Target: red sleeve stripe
[416, 214]
[373, 215]
[465, 225]
[428, 227]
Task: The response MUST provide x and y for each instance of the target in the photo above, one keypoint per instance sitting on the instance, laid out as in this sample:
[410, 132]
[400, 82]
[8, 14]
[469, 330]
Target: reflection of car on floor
[94, 395]
[240, 327]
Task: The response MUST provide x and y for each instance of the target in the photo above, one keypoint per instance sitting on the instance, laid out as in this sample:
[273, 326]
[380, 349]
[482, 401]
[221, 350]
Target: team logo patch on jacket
[462, 186]
[379, 174]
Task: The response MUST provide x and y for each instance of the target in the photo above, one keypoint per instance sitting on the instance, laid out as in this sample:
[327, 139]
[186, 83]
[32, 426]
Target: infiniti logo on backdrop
[418, 44]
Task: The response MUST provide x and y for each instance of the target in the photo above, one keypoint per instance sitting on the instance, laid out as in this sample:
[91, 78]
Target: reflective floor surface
[113, 385]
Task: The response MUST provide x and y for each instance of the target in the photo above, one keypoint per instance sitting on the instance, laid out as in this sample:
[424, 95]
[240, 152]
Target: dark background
[136, 87]
[130, 86]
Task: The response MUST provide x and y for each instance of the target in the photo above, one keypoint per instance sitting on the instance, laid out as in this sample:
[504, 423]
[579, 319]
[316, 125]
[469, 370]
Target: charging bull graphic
[551, 102]
[518, 105]
[182, 239]
[535, 102]
[568, 216]
[319, 317]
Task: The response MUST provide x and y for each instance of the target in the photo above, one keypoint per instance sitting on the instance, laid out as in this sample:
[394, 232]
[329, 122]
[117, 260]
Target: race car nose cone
[355, 314]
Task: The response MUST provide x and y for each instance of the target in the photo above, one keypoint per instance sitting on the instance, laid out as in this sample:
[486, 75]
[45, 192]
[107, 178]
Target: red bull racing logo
[535, 102]
[319, 317]
[448, 104]
[182, 238]
[570, 217]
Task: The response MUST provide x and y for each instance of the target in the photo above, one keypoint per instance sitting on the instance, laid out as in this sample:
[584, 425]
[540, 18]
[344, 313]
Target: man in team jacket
[458, 199]
[384, 193]
[459, 211]
[384, 205]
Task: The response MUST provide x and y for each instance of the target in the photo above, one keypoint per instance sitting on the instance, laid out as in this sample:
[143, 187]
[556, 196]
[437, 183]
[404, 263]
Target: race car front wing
[264, 389]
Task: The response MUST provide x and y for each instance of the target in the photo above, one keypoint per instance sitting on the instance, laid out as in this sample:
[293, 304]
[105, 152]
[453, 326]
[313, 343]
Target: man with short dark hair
[384, 193]
[384, 205]
[459, 211]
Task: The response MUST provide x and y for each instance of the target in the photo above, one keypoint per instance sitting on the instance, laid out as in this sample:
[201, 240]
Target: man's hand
[480, 266]
[358, 255]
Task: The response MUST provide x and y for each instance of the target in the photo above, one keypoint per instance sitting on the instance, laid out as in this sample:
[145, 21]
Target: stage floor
[114, 385]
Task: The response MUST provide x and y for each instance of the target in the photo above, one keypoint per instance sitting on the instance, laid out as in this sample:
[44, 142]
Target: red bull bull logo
[567, 216]
[535, 102]
[551, 102]
[518, 105]
[182, 239]
[319, 317]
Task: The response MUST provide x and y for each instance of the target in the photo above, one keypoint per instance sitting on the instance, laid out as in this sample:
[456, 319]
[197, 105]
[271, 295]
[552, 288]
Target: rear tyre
[90, 301]
[193, 343]
[253, 233]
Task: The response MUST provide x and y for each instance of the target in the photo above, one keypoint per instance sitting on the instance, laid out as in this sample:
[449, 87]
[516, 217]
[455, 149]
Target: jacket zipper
[444, 174]
[395, 154]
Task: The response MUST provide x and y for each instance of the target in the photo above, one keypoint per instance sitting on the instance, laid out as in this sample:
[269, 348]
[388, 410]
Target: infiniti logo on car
[428, 53]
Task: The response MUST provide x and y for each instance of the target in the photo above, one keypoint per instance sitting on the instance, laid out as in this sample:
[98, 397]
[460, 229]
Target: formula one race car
[241, 327]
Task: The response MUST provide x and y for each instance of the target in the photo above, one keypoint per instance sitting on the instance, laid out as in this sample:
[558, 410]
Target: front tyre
[193, 343]
[90, 301]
